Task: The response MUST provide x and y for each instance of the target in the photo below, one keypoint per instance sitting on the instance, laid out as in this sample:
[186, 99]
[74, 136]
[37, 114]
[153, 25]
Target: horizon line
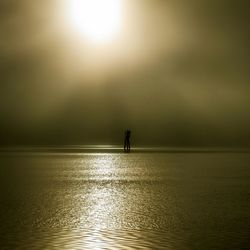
[95, 148]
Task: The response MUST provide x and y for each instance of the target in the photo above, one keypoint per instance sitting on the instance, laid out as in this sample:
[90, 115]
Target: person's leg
[127, 144]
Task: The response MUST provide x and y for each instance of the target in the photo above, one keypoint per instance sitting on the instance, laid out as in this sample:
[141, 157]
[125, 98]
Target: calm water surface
[125, 201]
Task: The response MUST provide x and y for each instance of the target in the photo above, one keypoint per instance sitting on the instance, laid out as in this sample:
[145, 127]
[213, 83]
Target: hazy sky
[177, 74]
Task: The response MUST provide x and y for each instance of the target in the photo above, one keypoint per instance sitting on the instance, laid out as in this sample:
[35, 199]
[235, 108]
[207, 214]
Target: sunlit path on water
[124, 201]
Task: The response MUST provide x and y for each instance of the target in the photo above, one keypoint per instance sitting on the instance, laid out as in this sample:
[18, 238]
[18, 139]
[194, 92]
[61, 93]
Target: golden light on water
[98, 20]
[102, 199]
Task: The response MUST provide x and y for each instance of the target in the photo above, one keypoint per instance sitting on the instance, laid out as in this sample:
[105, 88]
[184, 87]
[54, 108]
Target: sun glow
[97, 20]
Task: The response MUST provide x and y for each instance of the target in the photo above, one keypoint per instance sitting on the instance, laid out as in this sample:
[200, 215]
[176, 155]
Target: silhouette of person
[127, 141]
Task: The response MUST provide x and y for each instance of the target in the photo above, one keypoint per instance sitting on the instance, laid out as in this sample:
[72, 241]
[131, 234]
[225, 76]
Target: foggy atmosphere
[177, 74]
[124, 124]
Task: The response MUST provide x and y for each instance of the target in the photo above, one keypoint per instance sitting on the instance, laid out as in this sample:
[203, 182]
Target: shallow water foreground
[125, 201]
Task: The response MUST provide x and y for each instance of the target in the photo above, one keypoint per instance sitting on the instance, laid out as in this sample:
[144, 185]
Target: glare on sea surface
[101, 198]
[98, 20]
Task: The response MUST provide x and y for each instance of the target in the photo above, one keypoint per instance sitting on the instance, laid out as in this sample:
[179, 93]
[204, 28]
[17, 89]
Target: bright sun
[97, 20]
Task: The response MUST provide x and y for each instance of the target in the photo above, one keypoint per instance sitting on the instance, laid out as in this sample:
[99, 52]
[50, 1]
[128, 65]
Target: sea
[89, 197]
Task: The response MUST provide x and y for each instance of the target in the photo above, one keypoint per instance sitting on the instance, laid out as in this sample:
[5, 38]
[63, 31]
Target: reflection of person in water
[127, 141]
